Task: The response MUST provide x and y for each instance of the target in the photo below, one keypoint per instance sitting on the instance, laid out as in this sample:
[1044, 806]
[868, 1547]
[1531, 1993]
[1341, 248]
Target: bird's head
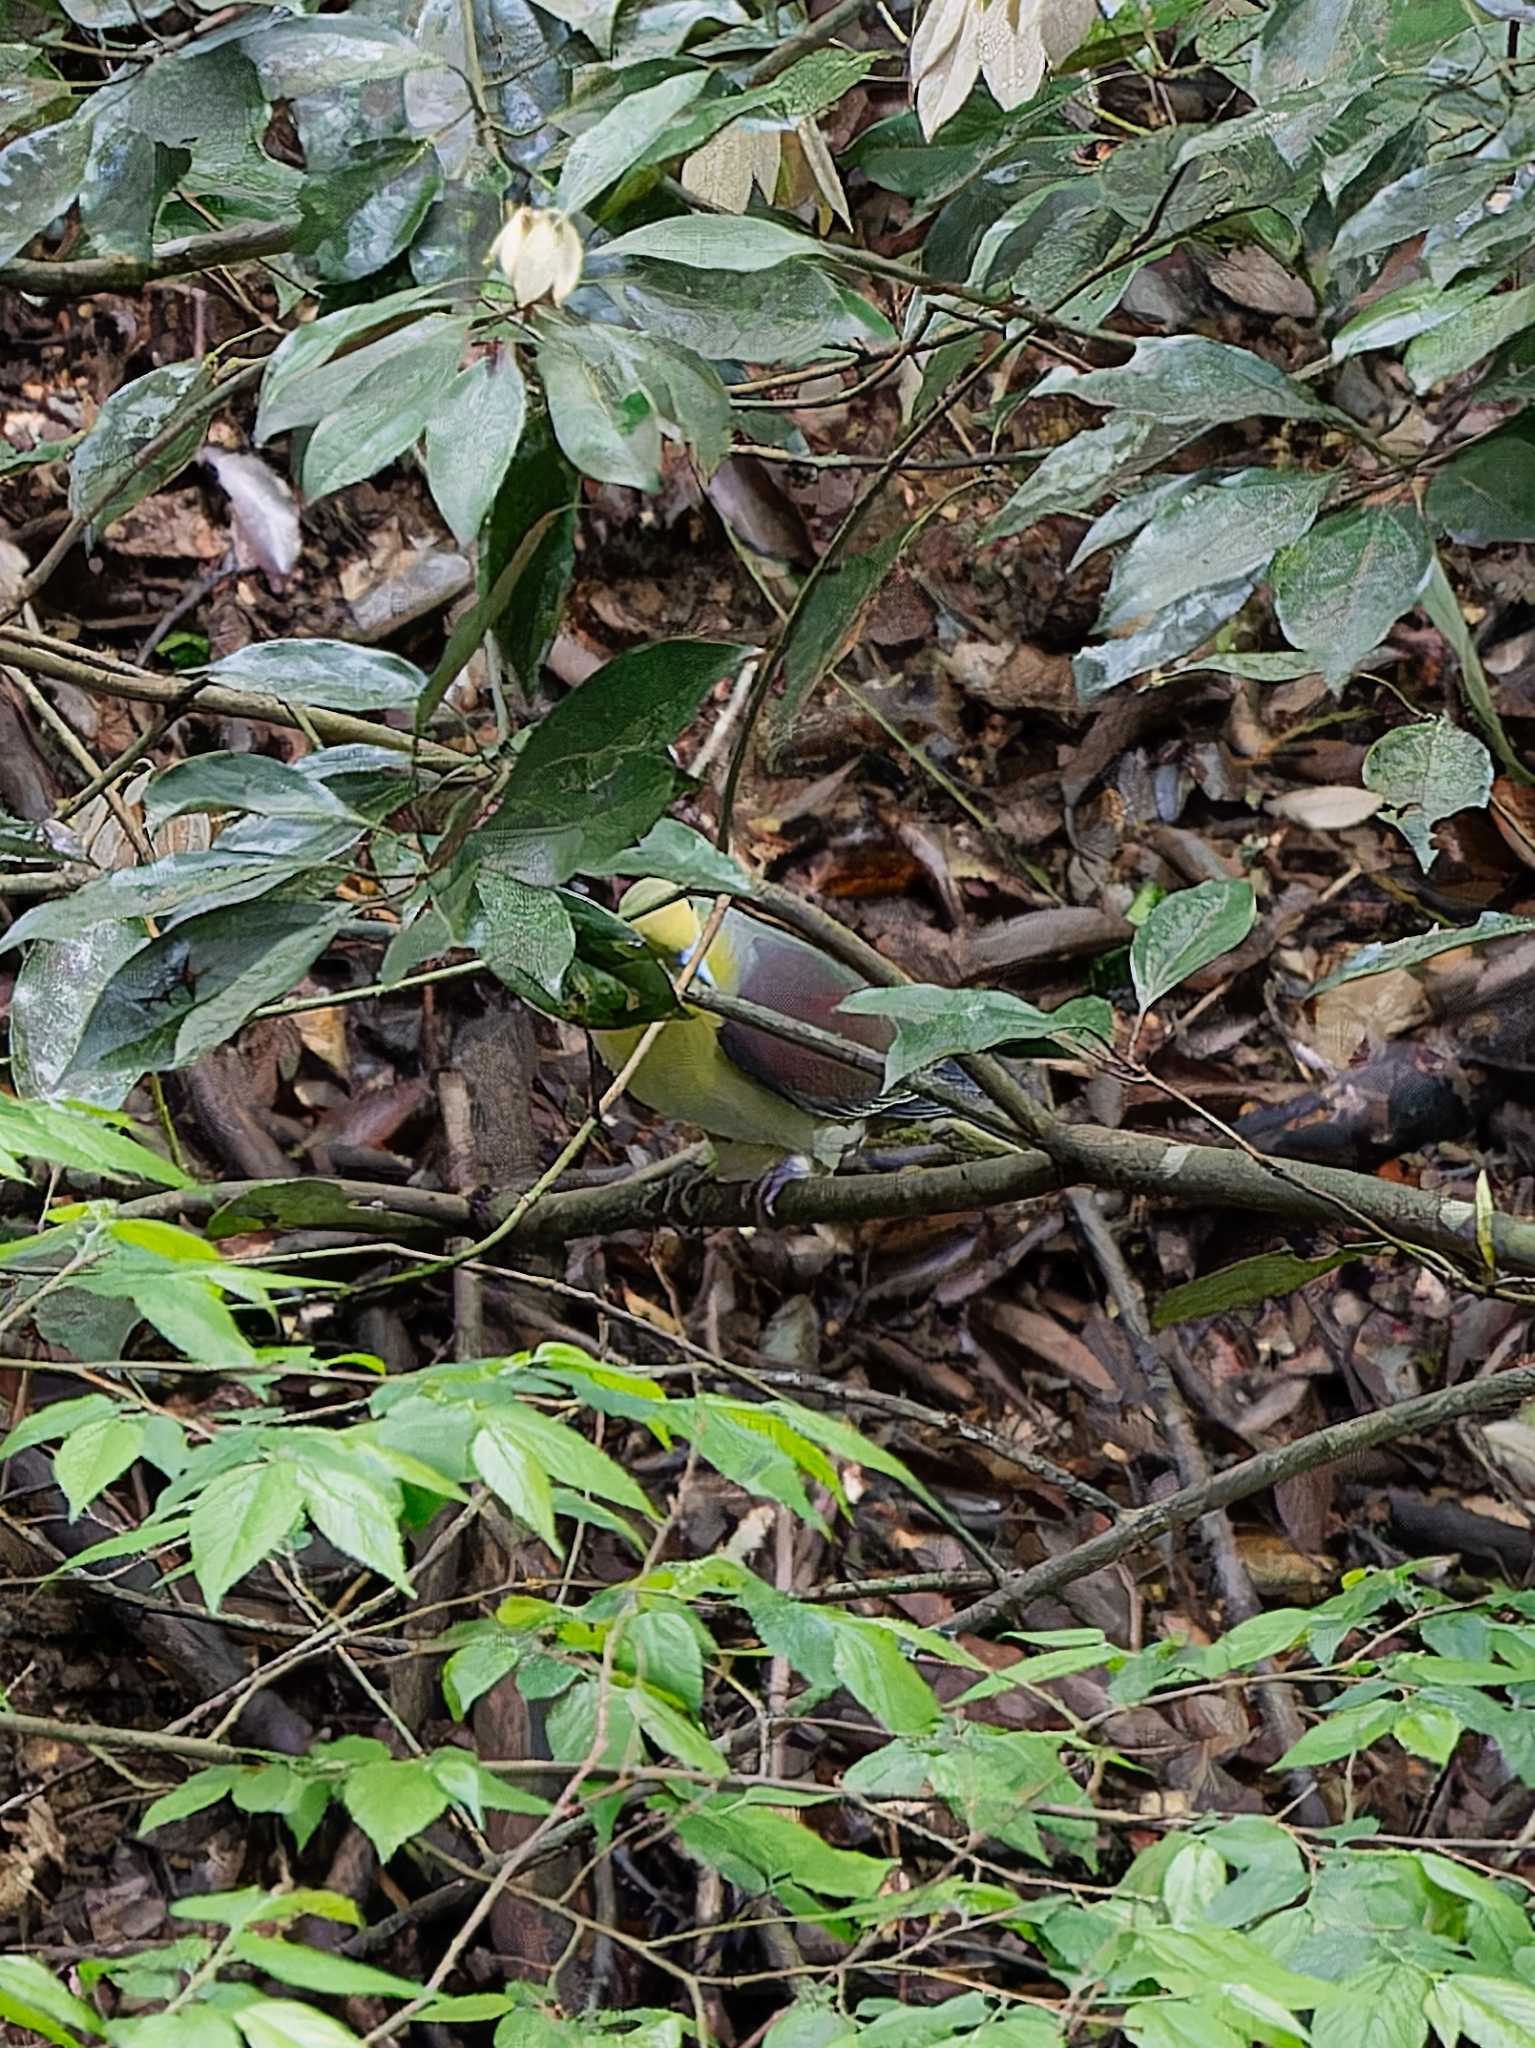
[666, 921]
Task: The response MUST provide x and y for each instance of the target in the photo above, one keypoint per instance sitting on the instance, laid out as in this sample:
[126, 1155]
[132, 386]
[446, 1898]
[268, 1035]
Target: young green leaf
[240, 1519]
[1185, 932]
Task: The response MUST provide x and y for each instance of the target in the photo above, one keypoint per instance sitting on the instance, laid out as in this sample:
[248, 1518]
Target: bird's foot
[766, 1191]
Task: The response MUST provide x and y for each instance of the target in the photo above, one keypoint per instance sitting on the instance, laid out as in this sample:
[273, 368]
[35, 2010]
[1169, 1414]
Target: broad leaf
[1427, 772]
[1188, 380]
[933, 1024]
[40, 174]
[471, 438]
[1185, 932]
[334, 675]
[595, 775]
[1340, 589]
[1385, 957]
[1247, 1283]
[239, 1520]
[1210, 535]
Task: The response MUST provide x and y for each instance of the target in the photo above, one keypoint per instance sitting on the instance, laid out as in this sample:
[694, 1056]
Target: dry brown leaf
[1330, 809]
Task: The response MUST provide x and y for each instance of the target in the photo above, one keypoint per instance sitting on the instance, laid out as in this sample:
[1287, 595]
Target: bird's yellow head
[667, 922]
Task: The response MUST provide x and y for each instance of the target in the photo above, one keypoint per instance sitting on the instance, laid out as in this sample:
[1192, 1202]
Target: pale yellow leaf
[944, 87]
[720, 174]
[822, 169]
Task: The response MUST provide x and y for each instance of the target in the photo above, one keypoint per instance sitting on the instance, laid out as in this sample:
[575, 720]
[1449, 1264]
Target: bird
[767, 1100]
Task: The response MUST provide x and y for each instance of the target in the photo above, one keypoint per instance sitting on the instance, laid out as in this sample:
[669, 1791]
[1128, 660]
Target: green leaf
[1430, 195]
[390, 1802]
[674, 852]
[1074, 476]
[663, 1650]
[319, 364]
[471, 437]
[194, 2027]
[1384, 958]
[1340, 589]
[239, 1520]
[602, 154]
[334, 675]
[244, 1908]
[237, 782]
[1212, 534]
[704, 241]
[933, 1024]
[1474, 332]
[1494, 2012]
[1177, 630]
[359, 1514]
[1246, 1283]
[311, 54]
[72, 1135]
[40, 174]
[385, 412]
[538, 482]
[202, 1790]
[528, 934]
[109, 474]
[1188, 380]
[515, 1476]
[595, 774]
[605, 422]
[869, 1661]
[1487, 495]
[1427, 772]
[674, 1733]
[1382, 2007]
[189, 1314]
[1429, 1731]
[320, 1969]
[1401, 315]
[91, 1457]
[1185, 932]
[1443, 608]
[1343, 1733]
[281, 2023]
[33, 1997]
[826, 629]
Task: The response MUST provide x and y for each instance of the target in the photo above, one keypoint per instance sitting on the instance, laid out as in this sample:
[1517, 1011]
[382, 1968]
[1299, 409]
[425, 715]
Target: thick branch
[1493, 1396]
[83, 274]
[1202, 1176]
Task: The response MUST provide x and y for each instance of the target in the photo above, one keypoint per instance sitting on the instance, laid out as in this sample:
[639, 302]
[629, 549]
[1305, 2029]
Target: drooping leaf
[40, 175]
[1085, 468]
[602, 154]
[1426, 772]
[1487, 494]
[109, 473]
[528, 933]
[1471, 334]
[1185, 932]
[238, 1521]
[1210, 535]
[385, 412]
[716, 242]
[1386, 957]
[471, 438]
[333, 675]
